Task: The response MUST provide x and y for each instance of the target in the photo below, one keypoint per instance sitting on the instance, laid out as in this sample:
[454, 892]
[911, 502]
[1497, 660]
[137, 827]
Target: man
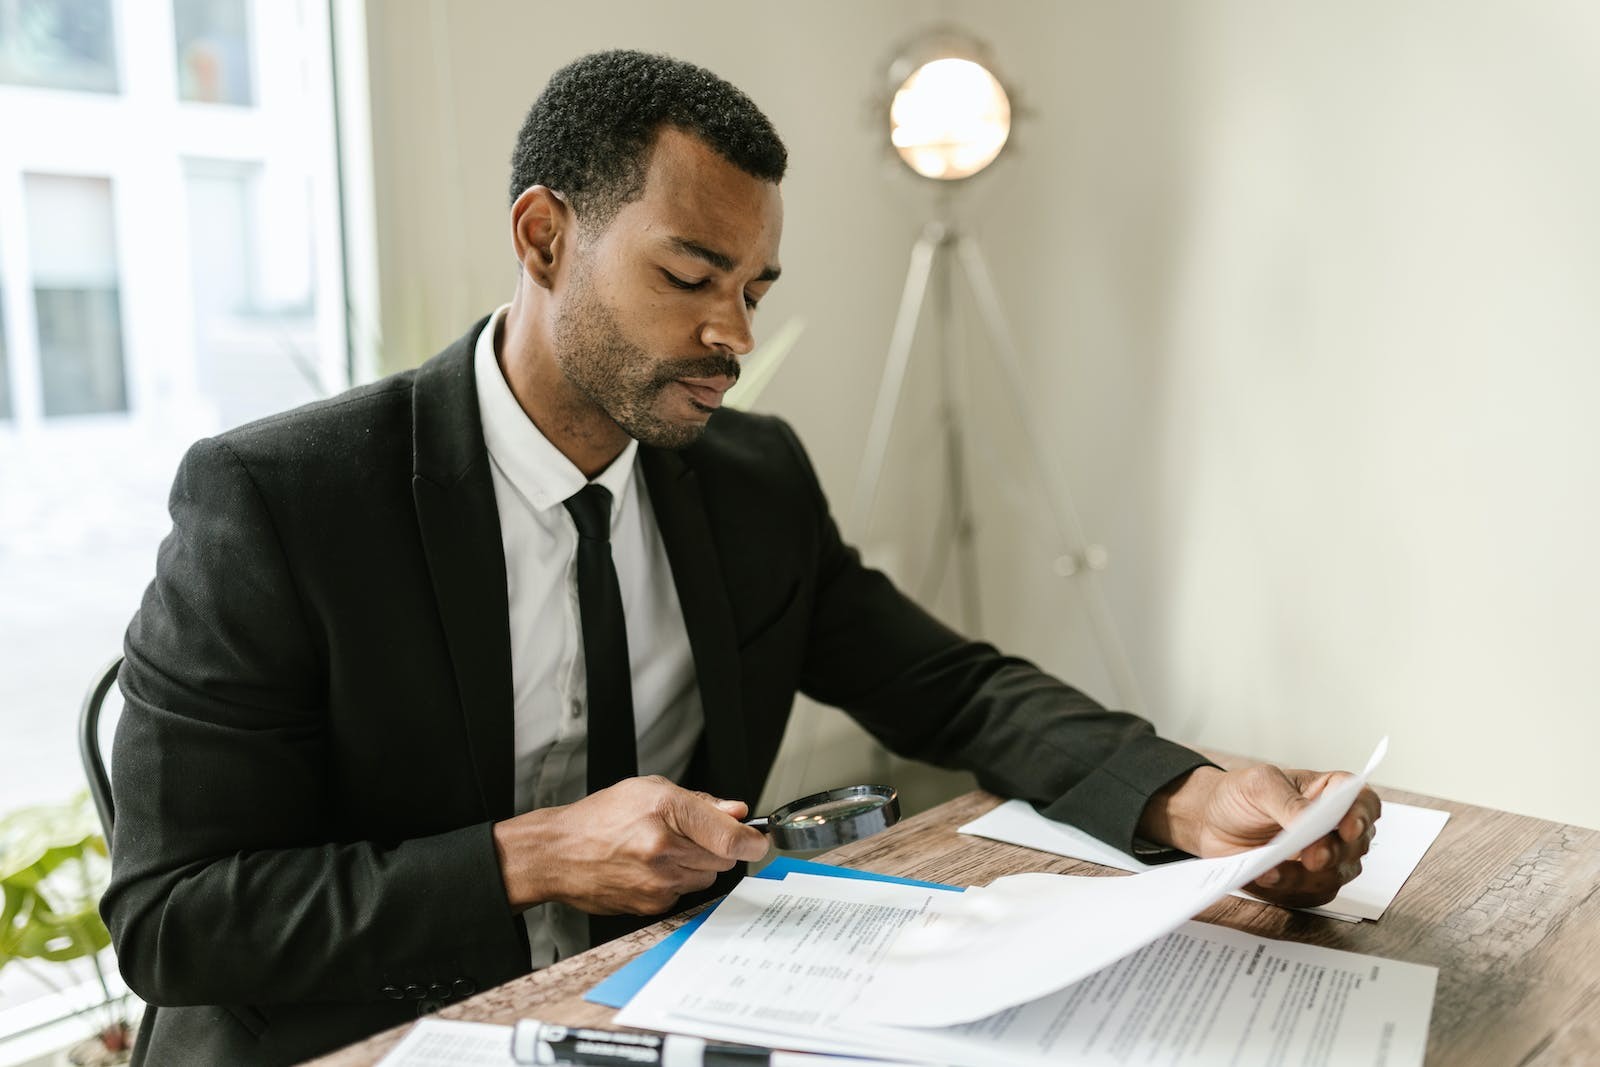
[409, 651]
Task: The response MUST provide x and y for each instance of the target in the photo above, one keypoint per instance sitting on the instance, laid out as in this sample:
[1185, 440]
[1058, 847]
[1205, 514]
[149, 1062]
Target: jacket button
[393, 992]
[438, 991]
[464, 987]
[415, 992]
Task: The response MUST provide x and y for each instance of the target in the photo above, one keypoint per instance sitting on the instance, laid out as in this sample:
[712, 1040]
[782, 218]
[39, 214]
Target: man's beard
[622, 379]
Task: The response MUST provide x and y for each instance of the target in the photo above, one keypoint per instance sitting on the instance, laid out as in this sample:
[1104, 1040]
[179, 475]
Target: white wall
[1308, 297]
[1322, 334]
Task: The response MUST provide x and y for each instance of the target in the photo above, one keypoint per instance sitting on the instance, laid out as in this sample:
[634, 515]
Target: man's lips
[707, 391]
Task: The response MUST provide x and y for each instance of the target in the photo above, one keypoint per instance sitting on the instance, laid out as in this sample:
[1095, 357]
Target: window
[58, 44]
[255, 318]
[213, 51]
[170, 270]
[77, 307]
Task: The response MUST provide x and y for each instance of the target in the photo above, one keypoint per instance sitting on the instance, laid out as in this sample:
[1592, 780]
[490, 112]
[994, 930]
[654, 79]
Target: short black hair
[589, 134]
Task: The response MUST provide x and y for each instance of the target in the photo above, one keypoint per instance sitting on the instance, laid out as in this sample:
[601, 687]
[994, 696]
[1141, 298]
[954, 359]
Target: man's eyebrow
[720, 260]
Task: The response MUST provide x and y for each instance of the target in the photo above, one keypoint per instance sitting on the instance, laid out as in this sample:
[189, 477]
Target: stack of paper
[1037, 968]
[792, 964]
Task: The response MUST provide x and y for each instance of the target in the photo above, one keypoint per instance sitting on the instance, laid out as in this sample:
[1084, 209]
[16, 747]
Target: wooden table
[1507, 907]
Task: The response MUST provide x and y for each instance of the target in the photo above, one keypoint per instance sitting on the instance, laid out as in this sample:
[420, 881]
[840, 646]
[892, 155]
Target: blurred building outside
[170, 266]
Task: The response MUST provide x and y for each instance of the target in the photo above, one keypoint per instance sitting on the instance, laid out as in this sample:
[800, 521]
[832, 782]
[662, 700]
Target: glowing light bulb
[949, 119]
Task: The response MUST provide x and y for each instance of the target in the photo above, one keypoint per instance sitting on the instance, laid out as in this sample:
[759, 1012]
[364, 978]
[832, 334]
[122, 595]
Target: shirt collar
[535, 467]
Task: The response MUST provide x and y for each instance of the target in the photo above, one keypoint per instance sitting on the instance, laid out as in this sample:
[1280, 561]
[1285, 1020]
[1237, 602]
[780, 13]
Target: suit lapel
[707, 616]
[460, 527]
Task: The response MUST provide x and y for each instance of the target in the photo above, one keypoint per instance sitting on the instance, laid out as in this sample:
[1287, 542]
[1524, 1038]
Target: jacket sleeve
[928, 693]
[226, 887]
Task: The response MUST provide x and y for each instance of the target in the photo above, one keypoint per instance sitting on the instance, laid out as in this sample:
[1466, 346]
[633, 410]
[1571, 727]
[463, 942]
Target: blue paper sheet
[620, 987]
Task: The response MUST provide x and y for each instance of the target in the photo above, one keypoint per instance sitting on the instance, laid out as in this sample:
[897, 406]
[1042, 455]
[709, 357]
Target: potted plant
[53, 868]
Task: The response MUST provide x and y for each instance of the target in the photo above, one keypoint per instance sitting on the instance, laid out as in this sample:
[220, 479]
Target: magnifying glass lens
[831, 818]
[830, 810]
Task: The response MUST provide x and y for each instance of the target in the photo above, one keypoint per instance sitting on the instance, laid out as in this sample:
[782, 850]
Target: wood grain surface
[1506, 906]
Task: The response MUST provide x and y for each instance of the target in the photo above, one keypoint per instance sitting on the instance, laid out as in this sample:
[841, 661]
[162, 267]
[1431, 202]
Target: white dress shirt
[531, 479]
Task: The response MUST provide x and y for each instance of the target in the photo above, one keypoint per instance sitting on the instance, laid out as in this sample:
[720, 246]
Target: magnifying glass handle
[761, 823]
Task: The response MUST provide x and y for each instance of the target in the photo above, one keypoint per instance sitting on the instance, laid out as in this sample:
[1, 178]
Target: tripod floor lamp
[950, 117]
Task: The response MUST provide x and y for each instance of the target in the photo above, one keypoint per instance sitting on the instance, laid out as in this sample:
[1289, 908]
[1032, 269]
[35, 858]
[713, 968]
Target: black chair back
[94, 762]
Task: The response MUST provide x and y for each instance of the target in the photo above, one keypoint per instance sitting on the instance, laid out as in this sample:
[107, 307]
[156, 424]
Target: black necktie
[612, 756]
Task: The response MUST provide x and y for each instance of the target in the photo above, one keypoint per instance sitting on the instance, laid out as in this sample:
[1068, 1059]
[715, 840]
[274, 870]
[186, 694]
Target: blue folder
[620, 987]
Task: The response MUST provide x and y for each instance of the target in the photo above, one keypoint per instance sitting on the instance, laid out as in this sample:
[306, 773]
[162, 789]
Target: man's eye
[750, 302]
[681, 283]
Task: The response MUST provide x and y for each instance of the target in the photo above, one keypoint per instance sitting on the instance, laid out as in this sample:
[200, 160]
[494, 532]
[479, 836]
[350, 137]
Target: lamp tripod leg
[934, 237]
[958, 496]
[1063, 512]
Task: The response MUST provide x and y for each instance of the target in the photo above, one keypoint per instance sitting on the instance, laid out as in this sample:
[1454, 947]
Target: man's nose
[729, 328]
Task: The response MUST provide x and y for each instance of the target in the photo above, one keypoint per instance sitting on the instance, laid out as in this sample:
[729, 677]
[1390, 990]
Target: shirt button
[577, 708]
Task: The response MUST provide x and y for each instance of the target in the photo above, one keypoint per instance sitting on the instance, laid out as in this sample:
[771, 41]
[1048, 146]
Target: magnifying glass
[831, 818]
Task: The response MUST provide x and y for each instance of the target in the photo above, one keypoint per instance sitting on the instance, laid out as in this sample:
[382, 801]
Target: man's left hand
[1211, 812]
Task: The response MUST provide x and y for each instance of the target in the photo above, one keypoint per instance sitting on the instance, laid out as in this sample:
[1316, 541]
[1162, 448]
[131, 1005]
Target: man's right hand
[633, 848]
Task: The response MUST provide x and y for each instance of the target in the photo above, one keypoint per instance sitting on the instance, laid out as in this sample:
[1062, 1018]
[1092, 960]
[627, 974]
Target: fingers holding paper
[633, 848]
[1317, 874]
[1217, 813]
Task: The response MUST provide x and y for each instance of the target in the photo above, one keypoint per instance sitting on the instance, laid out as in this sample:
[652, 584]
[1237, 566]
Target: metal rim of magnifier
[836, 831]
[943, 42]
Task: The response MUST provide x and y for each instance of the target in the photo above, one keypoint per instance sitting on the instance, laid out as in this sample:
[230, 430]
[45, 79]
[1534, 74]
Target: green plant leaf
[27, 834]
[70, 937]
[52, 872]
[15, 914]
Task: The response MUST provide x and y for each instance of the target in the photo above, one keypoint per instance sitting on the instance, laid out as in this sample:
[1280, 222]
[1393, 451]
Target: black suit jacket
[318, 731]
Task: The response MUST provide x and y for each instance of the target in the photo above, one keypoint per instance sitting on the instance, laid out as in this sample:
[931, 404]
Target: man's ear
[543, 229]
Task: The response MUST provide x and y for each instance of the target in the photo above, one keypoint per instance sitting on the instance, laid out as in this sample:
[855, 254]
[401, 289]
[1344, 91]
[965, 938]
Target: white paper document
[1072, 925]
[450, 1043]
[1039, 968]
[1402, 836]
[788, 963]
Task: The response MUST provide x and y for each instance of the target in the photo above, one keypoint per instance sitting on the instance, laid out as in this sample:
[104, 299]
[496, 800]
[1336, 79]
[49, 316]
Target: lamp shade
[949, 116]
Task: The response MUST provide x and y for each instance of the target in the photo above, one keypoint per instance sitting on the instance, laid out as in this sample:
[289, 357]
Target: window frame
[138, 139]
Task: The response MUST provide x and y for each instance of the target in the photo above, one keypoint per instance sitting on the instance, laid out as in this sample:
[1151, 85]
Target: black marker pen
[547, 1043]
